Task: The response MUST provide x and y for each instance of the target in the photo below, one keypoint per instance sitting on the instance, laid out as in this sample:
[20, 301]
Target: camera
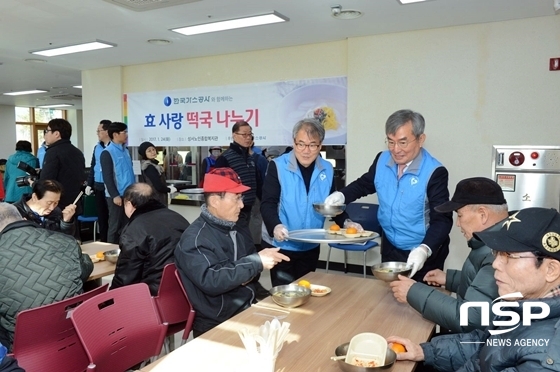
[31, 175]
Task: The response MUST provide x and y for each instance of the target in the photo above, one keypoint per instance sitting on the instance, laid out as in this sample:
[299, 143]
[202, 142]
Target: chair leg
[345, 264]
[365, 264]
[95, 231]
[328, 259]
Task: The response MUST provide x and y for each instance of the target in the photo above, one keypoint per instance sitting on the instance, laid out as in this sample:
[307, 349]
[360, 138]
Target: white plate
[319, 287]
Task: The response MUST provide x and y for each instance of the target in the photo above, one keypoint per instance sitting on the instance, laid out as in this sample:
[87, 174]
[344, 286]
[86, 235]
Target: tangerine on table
[351, 230]
[398, 348]
[335, 227]
[99, 255]
[304, 283]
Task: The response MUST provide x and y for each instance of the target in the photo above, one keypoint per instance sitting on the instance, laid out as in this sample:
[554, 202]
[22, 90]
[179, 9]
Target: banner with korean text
[205, 116]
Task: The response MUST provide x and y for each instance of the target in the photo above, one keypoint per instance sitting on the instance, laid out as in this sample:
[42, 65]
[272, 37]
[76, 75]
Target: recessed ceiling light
[346, 13]
[404, 2]
[76, 48]
[159, 41]
[35, 60]
[57, 105]
[77, 86]
[23, 92]
[231, 24]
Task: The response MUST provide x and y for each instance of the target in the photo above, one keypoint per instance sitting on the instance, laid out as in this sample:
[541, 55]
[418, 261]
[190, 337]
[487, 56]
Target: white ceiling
[27, 25]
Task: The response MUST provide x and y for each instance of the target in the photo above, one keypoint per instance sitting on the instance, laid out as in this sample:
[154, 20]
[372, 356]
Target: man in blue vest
[409, 183]
[95, 183]
[116, 167]
[209, 162]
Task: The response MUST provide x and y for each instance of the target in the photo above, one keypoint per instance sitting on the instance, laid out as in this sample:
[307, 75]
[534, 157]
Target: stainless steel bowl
[329, 210]
[112, 255]
[291, 295]
[389, 271]
[390, 358]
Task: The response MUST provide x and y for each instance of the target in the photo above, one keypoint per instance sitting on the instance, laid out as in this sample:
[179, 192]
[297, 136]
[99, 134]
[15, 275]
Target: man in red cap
[217, 262]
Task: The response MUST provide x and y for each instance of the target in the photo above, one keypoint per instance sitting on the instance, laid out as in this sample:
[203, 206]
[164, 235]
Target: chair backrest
[90, 208]
[45, 339]
[119, 328]
[172, 301]
[365, 214]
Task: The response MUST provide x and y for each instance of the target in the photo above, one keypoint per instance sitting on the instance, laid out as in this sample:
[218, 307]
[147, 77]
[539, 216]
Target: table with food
[331, 319]
[104, 257]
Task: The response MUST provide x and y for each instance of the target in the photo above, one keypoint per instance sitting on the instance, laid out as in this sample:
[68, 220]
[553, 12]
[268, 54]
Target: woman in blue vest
[293, 182]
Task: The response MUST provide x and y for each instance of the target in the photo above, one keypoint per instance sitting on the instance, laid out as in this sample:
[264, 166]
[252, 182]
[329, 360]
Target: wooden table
[101, 268]
[355, 305]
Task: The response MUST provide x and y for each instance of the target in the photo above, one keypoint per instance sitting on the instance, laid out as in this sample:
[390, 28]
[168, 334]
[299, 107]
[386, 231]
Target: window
[30, 123]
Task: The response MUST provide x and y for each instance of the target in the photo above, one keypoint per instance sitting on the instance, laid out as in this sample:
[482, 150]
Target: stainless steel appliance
[528, 175]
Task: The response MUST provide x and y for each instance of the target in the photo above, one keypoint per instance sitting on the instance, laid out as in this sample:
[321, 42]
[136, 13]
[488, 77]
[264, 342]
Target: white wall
[8, 137]
[475, 85]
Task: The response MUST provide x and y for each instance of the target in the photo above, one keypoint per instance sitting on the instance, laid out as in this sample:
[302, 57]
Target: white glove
[349, 223]
[280, 232]
[88, 190]
[172, 189]
[336, 198]
[417, 258]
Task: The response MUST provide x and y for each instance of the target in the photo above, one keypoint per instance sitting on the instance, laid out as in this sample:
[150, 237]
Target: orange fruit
[335, 227]
[398, 348]
[351, 230]
[304, 283]
[99, 255]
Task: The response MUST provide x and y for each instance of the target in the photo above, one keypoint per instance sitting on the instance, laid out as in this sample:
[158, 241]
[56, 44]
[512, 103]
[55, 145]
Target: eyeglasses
[302, 146]
[99, 131]
[237, 198]
[512, 256]
[402, 144]
[245, 135]
[46, 131]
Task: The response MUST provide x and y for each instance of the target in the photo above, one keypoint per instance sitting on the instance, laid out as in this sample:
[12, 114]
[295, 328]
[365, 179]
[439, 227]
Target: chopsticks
[78, 197]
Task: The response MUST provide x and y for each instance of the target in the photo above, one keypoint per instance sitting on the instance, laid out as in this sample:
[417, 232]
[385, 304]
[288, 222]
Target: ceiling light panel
[77, 48]
[404, 2]
[24, 92]
[56, 105]
[232, 24]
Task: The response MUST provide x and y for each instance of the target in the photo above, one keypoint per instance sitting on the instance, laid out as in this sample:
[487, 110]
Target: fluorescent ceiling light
[232, 24]
[23, 92]
[77, 86]
[56, 105]
[94, 45]
[410, 1]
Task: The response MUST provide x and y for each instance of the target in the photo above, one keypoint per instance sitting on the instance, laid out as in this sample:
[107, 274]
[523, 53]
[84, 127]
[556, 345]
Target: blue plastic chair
[366, 215]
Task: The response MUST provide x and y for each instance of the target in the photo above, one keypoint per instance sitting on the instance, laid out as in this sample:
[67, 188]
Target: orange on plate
[335, 227]
[398, 348]
[304, 283]
[100, 255]
[351, 230]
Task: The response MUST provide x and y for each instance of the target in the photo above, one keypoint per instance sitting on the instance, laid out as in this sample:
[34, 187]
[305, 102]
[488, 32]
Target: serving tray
[322, 236]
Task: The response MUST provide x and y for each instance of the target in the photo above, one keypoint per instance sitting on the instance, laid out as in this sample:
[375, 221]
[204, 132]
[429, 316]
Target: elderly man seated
[480, 204]
[37, 267]
[217, 262]
[149, 239]
[524, 336]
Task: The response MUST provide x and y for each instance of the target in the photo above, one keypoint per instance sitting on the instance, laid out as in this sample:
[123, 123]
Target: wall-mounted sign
[205, 116]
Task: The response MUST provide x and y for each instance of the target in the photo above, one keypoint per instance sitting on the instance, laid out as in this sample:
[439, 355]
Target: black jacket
[239, 159]
[53, 221]
[66, 164]
[147, 244]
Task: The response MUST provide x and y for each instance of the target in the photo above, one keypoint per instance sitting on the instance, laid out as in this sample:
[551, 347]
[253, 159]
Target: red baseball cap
[223, 180]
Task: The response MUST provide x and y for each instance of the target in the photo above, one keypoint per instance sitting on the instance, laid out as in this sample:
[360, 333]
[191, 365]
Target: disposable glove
[88, 190]
[280, 232]
[417, 258]
[336, 198]
[349, 223]
[172, 189]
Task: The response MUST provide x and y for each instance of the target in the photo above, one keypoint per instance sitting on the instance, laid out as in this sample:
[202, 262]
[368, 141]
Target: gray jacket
[475, 282]
[37, 267]
[524, 349]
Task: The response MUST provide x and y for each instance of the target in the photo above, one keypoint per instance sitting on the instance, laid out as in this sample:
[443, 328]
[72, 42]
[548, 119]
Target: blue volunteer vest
[122, 165]
[97, 175]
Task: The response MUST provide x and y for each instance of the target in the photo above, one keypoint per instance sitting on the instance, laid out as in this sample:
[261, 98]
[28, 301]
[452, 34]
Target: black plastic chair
[366, 215]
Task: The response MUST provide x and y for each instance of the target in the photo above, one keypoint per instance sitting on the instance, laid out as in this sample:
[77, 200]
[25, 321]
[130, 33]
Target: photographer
[42, 207]
[13, 171]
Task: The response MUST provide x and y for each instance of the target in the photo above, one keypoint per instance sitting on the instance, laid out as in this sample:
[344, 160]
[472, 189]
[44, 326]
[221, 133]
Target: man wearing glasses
[527, 254]
[409, 183]
[294, 181]
[63, 162]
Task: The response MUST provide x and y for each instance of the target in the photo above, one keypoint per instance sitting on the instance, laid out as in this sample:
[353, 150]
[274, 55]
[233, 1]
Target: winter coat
[52, 221]
[147, 244]
[154, 176]
[13, 191]
[217, 263]
[37, 267]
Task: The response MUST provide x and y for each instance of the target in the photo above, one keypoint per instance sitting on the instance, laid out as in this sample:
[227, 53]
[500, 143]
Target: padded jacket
[52, 221]
[37, 267]
[523, 349]
[217, 264]
[147, 244]
[475, 282]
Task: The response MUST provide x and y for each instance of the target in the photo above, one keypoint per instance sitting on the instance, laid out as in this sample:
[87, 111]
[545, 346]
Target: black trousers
[300, 263]
[102, 211]
[117, 220]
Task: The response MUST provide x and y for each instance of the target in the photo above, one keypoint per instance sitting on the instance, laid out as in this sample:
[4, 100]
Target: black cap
[528, 230]
[143, 147]
[477, 190]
